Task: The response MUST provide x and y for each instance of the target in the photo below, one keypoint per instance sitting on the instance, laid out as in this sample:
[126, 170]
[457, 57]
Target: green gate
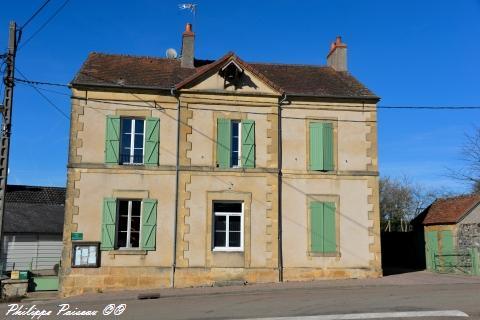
[443, 257]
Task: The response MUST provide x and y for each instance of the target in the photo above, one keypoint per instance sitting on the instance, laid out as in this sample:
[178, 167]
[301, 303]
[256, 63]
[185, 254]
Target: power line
[35, 14]
[352, 108]
[42, 83]
[45, 24]
[44, 96]
[46, 90]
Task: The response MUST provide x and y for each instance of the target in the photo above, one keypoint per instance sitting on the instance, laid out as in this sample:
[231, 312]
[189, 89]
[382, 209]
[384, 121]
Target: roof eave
[365, 98]
[83, 85]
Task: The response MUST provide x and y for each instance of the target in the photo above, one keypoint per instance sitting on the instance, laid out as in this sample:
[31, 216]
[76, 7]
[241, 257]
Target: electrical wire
[44, 96]
[44, 24]
[34, 14]
[42, 83]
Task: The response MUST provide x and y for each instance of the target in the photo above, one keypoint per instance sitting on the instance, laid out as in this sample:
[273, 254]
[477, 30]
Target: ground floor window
[129, 222]
[228, 226]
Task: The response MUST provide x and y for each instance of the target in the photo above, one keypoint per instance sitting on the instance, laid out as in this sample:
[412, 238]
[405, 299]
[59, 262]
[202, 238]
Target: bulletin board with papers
[85, 254]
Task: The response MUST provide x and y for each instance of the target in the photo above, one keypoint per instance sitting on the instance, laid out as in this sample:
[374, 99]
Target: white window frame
[129, 224]
[239, 160]
[132, 141]
[227, 229]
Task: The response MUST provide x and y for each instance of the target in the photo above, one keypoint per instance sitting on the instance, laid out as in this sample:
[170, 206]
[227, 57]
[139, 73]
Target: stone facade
[468, 236]
[183, 255]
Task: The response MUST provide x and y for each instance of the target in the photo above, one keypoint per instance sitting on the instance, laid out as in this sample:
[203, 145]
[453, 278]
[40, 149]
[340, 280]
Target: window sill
[325, 255]
[128, 252]
[227, 249]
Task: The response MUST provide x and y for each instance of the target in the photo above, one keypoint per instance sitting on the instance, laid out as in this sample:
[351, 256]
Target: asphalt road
[293, 300]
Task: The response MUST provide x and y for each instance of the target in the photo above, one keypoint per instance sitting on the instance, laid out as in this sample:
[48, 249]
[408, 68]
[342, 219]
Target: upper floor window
[321, 146]
[132, 143]
[236, 152]
[235, 143]
[131, 140]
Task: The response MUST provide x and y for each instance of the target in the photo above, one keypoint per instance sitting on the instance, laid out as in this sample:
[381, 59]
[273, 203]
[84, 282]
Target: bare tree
[470, 152]
[402, 200]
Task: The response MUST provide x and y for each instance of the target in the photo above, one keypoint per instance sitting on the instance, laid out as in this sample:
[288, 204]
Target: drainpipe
[177, 177]
[279, 198]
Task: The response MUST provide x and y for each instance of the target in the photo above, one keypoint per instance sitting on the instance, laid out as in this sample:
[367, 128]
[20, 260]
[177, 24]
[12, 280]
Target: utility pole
[6, 111]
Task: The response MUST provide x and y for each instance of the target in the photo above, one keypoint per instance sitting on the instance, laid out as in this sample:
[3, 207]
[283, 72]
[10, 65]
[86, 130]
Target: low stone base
[13, 289]
[96, 280]
[81, 281]
[310, 274]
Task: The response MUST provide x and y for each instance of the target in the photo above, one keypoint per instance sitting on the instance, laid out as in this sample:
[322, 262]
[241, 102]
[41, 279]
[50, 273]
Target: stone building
[451, 228]
[195, 172]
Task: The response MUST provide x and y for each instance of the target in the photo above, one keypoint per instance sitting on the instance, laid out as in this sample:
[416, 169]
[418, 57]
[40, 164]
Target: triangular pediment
[230, 74]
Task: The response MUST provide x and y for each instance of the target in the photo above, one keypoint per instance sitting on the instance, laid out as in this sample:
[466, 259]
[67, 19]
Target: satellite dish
[171, 53]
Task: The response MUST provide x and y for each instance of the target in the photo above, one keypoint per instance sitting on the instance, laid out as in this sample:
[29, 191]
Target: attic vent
[232, 74]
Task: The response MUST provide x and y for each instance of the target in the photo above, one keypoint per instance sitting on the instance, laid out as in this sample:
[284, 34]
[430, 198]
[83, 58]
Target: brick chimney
[337, 57]
[188, 38]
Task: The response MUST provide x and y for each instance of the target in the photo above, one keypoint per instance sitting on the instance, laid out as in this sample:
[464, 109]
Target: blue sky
[410, 53]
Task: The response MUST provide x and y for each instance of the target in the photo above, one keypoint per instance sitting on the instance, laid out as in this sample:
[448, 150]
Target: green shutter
[328, 147]
[316, 146]
[316, 226]
[112, 140]
[323, 227]
[224, 141]
[152, 141]
[248, 144]
[109, 219]
[149, 224]
[329, 228]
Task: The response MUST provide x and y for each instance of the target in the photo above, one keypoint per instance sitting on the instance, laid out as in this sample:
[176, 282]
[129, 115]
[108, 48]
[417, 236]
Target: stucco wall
[353, 227]
[472, 217]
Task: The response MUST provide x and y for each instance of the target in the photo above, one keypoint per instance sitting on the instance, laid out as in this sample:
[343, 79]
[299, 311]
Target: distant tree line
[401, 200]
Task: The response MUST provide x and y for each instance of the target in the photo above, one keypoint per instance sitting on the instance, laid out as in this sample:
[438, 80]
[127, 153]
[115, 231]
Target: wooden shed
[451, 229]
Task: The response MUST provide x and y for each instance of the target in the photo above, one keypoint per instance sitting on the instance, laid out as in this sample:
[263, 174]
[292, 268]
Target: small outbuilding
[33, 228]
[451, 228]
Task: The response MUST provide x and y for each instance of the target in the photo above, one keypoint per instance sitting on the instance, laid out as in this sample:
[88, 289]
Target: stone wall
[468, 236]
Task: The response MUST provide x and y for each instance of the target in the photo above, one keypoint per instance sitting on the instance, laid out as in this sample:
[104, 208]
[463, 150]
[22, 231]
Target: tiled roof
[161, 73]
[449, 210]
[35, 194]
[31, 209]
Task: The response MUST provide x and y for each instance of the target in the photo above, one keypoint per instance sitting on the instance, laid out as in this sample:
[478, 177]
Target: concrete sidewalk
[406, 279]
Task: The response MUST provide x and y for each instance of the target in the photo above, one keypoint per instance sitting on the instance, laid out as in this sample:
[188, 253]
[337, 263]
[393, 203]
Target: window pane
[234, 224]
[227, 207]
[126, 125]
[121, 239]
[122, 223]
[123, 207]
[234, 239]
[136, 205]
[138, 155]
[139, 141]
[219, 239]
[139, 126]
[235, 125]
[126, 140]
[134, 239]
[235, 143]
[220, 223]
[135, 224]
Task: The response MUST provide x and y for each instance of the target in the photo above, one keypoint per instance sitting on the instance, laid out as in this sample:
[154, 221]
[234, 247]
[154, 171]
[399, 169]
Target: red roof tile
[449, 210]
[160, 73]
